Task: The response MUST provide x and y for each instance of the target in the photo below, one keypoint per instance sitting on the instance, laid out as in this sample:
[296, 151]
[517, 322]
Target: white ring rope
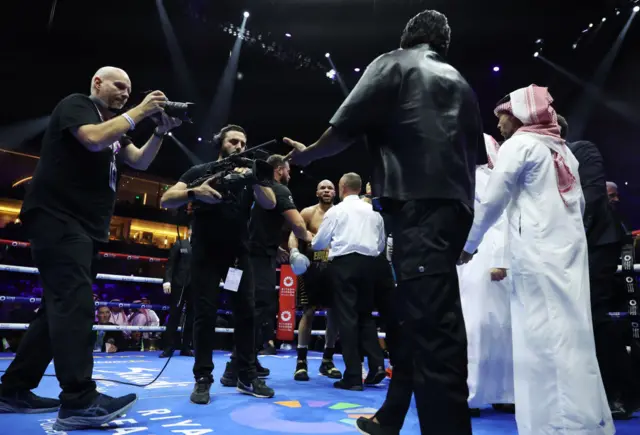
[25, 326]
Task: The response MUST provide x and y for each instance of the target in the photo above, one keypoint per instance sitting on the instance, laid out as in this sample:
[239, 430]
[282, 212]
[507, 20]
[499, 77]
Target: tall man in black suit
[424, 133]
[604, 240]
[177, 283]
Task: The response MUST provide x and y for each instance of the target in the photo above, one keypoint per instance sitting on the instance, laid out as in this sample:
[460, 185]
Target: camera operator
[219, 250]
[66, 212]
[265, 232]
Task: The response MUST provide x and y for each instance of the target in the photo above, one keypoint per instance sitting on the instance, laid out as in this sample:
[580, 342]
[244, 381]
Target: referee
[355, 234]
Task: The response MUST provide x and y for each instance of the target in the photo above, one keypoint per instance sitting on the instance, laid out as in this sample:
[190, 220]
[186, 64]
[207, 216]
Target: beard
[325, 200]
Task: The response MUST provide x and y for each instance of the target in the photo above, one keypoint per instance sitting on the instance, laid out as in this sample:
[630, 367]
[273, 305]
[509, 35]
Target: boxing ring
[313, 407]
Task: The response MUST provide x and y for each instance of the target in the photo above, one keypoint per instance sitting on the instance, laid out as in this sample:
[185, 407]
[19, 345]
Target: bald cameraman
[219, 246]
[265, 233]
[66, 213]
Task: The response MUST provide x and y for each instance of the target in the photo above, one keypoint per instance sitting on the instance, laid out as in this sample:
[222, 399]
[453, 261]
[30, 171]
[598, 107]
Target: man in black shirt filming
[424, 133]
[219, 250]
[265, 233]
[66, 212]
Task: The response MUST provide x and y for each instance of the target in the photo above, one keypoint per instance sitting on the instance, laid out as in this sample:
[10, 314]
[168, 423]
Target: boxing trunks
[314, 286]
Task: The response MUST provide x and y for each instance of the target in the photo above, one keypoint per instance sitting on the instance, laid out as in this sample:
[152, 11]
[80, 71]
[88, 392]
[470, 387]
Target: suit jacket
[422, 123]
[600, 223]
[178, 268]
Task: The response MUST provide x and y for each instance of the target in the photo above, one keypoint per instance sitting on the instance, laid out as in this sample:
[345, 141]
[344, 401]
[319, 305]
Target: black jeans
[429, 354]
[616, 365]
[266, 295]
[62, 329]
[353, 300]
[210, 263]
[180, 297]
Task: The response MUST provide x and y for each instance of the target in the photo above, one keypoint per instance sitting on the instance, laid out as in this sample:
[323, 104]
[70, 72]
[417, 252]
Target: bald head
[112, 86]
[612, 193]
[350, 184]
[325, 192]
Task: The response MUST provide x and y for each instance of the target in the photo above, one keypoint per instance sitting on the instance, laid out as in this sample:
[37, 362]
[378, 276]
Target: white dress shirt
[351, 227]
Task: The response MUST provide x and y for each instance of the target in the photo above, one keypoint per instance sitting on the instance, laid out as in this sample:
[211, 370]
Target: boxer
[314, 287]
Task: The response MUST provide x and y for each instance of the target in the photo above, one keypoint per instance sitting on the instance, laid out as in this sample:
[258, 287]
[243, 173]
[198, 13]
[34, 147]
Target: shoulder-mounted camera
[229, 182]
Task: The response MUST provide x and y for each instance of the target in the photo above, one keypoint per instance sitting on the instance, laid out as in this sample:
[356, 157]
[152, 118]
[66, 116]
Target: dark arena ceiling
[283, 88]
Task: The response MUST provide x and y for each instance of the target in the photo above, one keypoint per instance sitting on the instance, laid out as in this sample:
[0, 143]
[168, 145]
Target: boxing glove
[299, 262]
[389, 248]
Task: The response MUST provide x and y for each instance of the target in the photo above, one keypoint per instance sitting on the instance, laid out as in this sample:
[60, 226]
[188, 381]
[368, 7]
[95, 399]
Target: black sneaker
[367, 426]
[301, 373]
[341, 384]
[374, 378]
[25, 402]
[200, 394]
[269, 350]
[256, 388]
[167, 353]
[230, 376]
[262, 372]
[328, 368]
[101, 411]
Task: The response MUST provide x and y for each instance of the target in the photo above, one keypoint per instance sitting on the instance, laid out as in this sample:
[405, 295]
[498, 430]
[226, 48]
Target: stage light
[539, 41]
[288, 35]
[169, 134]
[331, 74]
[357, 69]
[575, 46]
[590, 25]
[327, 55]
[635, 9]
[604, 19]
[536, 54]
[496, 68]
[199, 139]
[246, 14]
[617, 11]
[626, 183]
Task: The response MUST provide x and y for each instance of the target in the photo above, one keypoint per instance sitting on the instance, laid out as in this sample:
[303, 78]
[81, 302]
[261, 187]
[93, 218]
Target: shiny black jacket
[422, 123]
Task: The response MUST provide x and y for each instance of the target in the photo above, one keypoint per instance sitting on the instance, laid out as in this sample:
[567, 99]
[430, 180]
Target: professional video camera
[227, 181]
[182, 111]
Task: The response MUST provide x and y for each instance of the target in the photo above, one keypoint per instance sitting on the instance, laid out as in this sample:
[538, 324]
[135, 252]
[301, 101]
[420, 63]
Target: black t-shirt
[224, 223]
[71, 182]
[422, 123]
[265, 226]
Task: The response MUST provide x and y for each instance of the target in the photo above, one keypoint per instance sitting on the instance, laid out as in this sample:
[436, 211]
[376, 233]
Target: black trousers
[180, 297]
[616, 365]
[383, 300]
[429, 354]
[266, 295]
[353, 297]
[62, 329]
[210, 262]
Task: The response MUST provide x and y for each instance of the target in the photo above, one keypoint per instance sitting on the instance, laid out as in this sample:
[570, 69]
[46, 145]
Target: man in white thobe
[485, 292]
[558, 387]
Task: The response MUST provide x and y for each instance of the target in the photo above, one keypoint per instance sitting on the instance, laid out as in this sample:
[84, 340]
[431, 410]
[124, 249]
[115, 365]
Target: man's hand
[367, 189]
[465, 257]
[241, 170]
[167, 123]
[309, 237]
[498, 274]
[166, 287]
[207, 194]
[153, 103]
[282, 256]
[298, 156]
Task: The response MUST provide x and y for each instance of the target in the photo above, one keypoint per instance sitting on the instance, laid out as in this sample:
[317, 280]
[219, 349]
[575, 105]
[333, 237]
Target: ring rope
[25, 326]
